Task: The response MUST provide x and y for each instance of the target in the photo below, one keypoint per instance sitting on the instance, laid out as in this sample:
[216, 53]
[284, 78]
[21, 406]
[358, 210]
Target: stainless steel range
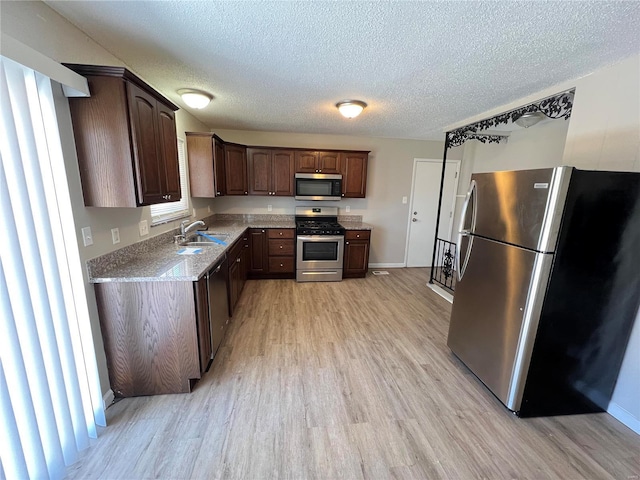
[320, 244]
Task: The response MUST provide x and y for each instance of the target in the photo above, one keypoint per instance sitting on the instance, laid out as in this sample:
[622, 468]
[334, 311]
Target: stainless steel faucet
[184, 228]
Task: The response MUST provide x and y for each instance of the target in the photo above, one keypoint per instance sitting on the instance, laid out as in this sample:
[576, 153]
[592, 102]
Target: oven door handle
[320, 238]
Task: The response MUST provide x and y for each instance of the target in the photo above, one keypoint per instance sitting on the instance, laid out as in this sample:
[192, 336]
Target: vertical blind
[50, 399]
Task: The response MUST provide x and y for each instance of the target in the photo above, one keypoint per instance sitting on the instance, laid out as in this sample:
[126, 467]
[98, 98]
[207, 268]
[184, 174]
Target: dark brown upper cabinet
[126, 140]
[235, 165]
[311, 161]
[354, 174]
[206, 165]
[271, 171]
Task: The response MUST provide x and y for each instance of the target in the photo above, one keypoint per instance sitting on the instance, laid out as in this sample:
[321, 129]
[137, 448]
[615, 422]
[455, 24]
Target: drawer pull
[280, 247]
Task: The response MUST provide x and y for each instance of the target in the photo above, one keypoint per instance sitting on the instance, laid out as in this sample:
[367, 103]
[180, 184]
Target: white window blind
[50, 398]
[165, 212]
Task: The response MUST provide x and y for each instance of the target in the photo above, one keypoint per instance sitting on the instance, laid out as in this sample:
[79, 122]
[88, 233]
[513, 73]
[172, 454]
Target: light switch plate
[115, 235]
[347, 209]
[269, 208]
[87, 237]
[404, 199]
[144, 228]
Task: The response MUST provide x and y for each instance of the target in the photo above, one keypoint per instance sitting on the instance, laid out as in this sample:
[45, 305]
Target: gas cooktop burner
[318, 227]
[318, 221]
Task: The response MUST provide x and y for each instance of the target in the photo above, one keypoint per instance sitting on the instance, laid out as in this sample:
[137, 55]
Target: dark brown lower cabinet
[151, 334]
[356, 253]
[238, 268]
[257, 252]
[272, 253]
[160, 337]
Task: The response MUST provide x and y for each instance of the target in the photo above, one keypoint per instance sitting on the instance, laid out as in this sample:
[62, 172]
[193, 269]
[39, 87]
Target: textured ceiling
[282, 66]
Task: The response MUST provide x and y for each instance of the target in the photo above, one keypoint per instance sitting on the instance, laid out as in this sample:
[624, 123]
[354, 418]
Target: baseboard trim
[387, 265]
[441, 291]
[108, 398]
[624, 417]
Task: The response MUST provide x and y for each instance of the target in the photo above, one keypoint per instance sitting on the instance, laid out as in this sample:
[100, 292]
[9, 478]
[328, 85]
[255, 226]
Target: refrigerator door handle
[462, 232]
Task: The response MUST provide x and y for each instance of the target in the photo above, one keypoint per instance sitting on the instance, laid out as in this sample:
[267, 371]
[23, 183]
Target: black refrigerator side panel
[592, 298]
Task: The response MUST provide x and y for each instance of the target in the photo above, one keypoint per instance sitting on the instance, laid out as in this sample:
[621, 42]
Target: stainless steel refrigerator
[548, 285]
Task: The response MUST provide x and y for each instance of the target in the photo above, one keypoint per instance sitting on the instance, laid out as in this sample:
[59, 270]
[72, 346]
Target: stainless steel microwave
[318, 186]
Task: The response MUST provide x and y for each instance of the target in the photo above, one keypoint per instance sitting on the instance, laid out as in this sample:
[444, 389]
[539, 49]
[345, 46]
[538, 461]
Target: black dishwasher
[218, 303]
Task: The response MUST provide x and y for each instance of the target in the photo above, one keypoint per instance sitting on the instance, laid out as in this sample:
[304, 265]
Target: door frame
[413, 179]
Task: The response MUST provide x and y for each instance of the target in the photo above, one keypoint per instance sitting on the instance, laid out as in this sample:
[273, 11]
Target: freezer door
[521, 207]
[494, 315]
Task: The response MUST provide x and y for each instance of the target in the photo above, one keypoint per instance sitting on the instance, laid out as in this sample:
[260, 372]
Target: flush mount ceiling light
[351, 108]
[195, 98]
[529, 119]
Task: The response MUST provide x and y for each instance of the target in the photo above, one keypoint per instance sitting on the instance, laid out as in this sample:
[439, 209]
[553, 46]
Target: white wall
[604, 134]
[388, 180]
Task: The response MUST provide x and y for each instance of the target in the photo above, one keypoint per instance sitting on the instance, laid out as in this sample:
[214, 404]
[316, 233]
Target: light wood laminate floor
[347, 380]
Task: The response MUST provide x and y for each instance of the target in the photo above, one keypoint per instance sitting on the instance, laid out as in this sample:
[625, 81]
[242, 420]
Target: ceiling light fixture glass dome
[351, 108]
[195, 98]
[529, 119]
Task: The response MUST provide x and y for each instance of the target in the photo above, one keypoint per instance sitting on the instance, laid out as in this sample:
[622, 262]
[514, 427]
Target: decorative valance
[556, 106]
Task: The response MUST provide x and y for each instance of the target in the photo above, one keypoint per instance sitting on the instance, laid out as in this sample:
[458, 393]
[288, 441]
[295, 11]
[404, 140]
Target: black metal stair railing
[443, 271]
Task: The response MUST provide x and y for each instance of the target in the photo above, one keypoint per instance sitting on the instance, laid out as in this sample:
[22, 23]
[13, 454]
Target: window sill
[161, 219]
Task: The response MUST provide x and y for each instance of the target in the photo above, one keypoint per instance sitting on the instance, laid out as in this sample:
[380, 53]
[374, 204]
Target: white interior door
[425, 193]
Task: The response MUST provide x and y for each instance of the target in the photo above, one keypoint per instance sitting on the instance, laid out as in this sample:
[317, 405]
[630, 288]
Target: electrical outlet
[115, 235]
[87, 237]
[269, 208]
[144, 228]
[347, 209]
[404, 199]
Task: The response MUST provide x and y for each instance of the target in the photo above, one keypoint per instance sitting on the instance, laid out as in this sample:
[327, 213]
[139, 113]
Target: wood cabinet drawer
[284, 247]
[281, 233]
[357, 235]
[281, 264]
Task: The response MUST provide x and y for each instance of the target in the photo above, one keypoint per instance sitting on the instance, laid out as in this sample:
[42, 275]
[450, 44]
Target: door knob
[414, 219]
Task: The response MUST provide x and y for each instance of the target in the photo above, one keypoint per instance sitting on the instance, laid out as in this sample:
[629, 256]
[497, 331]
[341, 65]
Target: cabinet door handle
[262, 231]
[246, 193]
[281, 265]
[217, 193]
[238, 260]
[358, 236]
[343, 194]
[280, 233]
[346, 243]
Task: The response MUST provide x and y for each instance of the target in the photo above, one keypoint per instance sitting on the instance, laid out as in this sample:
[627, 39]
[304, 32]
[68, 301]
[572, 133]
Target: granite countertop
[355, 225]
[158, 260]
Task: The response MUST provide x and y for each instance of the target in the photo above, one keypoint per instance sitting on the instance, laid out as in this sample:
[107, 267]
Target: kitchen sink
[201, 241]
